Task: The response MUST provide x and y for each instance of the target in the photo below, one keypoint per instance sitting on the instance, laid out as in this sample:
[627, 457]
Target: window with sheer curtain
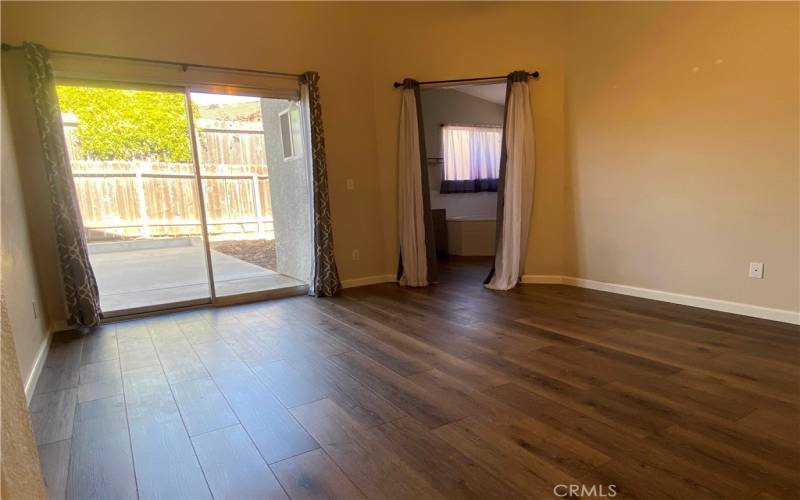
[471, 158]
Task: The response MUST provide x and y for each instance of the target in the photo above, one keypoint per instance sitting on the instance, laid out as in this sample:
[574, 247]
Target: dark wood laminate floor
[451, 391]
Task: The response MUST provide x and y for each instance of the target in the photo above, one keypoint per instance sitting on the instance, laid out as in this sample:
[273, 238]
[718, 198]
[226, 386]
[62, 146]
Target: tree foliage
[122, 124]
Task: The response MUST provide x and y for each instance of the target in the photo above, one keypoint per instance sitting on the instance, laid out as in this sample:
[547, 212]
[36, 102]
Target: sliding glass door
[188, 197]
[256, 192]
[131, 158]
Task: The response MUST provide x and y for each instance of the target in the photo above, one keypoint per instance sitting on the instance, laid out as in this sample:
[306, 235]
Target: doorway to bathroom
[463, 129]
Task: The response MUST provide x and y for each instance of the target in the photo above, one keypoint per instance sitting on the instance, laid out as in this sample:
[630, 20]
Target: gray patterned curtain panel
[325, 278]
[80, 286]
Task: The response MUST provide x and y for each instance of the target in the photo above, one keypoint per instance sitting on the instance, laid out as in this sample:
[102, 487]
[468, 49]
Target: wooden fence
[140, 199]
[223, 142]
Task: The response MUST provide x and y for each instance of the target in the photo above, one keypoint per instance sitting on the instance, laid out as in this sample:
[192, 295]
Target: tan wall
[434, 41]
[672, 180]
[683, 148]
[18, 272]
[291, 38]
[20, 473]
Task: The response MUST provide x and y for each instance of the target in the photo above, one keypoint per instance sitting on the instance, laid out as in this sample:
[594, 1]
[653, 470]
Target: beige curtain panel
[414, 258]
[517, 171]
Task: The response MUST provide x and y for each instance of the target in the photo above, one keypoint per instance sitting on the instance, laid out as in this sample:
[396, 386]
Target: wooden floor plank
[135, 355]
[100, 346]
[778, 422]
[276, 434]
[293, 386]
[62, 367]
[377, 471]
[101, 464]
[362, 404]
[782, 481]
[616, 445]
[449, 471]
[99, 379]
[447, 391]
[102, 370]
[526, 473]
[54, 460]
[313, 475]
[164, 460]
[547, 441]
[179, 361]
[52, 415]
[408, 396]
[203, 406]
[233, 466]
[330, 323]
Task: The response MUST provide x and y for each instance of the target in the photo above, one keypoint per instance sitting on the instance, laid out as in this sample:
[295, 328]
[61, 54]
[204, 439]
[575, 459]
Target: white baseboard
[369, 280]
[33, 378]
[781, 315]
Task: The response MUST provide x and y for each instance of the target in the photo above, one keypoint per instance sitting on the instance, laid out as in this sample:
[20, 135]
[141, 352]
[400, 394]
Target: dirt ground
[258, 252]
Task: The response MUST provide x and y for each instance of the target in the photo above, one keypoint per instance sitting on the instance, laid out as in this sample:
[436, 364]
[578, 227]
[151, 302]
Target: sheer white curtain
[471, 152]
[517, 189]
[410, 206]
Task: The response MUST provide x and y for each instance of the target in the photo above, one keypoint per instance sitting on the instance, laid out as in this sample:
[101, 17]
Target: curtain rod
[184, 65]
[533, 74]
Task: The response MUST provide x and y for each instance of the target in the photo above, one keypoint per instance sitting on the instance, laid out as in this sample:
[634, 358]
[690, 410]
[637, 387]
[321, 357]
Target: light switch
[351, 184]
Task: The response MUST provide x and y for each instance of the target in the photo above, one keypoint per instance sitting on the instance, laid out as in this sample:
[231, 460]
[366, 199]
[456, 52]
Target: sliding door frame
[245, 297]
[187, 100]
[186, 88]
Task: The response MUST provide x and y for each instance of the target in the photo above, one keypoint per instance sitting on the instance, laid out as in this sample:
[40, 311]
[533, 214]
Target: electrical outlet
[356, 255]
[756, 270]
[35, 309]
[351, 185]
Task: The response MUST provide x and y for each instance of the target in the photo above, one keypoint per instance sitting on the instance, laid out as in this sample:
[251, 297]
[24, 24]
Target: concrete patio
[146, 273]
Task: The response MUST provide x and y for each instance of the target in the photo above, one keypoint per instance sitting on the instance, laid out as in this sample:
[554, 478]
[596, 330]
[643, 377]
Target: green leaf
[120, 124]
